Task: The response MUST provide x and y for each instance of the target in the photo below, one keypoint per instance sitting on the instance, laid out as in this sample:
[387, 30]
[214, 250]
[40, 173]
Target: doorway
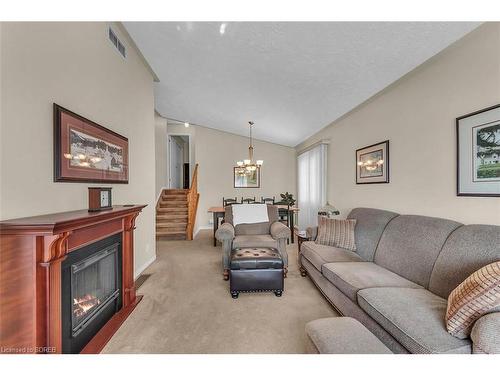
[179, 163]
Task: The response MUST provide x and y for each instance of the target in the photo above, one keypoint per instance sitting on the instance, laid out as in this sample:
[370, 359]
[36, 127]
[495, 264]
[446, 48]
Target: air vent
[116, 42]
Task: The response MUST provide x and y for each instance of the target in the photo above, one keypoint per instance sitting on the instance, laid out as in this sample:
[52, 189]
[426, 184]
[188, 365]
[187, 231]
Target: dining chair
[283, 214]
[248, 200]
[267, 200]
[229, 201]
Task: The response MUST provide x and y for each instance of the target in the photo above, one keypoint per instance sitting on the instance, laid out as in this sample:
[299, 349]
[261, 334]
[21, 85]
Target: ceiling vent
[116, 42]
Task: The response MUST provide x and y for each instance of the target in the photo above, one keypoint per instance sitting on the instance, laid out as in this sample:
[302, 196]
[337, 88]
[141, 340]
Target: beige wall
[160, 154]
[216, 152]
[417, 114]
[74, 65]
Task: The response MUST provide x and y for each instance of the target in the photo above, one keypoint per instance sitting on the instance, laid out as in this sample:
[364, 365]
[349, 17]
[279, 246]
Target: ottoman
[342, 335]
[256, 270]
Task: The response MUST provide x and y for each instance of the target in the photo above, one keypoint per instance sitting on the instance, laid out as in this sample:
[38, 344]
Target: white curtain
[312, 185]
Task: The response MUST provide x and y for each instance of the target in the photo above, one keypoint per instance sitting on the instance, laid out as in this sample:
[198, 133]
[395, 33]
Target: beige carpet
[187, 307]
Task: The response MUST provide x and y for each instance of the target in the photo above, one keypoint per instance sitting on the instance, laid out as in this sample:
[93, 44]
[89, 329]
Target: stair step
[174, 204]
[172, 210]
[174, 197]
[176, 191]
[171, 225]
[173, 218]
[167, 231]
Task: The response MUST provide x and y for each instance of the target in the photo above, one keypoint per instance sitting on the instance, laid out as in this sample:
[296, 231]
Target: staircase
[172, 214]
[176, 211]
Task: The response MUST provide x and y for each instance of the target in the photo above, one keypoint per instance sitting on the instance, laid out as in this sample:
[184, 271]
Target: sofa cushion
[337, 233]
[411, 244]
[415, 317]
[477, 295]
[321, 254]
[350, 277]
[343, 335]
[468, 248]
[258, 240]
[370, 224]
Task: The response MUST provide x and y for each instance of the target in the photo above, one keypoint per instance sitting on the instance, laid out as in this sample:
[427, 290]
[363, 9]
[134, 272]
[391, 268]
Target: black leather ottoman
[256, 270]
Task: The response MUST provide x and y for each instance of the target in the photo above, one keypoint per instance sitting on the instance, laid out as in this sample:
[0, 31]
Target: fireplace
[66, 277]
[91, 291]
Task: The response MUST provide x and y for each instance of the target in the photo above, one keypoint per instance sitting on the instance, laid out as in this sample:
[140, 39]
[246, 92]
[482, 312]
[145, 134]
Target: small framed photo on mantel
[478, 153]
[372, 164]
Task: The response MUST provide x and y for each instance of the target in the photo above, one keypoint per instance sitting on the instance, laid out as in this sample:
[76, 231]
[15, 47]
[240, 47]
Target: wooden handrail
[192, 200]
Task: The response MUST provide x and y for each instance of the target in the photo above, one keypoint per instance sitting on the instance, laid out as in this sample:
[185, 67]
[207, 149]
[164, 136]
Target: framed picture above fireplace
[87, 152]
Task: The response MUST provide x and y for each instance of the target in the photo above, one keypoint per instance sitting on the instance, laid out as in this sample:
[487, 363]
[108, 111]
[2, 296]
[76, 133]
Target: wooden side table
[301, 237]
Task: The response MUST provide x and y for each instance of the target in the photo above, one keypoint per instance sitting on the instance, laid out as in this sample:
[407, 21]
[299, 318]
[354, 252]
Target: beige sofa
[398, 280]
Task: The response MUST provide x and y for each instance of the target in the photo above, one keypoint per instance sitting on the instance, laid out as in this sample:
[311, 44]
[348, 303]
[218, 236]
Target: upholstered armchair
[270, 234]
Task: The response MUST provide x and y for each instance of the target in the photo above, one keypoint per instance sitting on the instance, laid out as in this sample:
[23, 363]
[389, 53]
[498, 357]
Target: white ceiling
[292, 79]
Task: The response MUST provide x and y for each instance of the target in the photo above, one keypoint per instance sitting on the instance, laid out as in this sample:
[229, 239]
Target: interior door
[175, 165]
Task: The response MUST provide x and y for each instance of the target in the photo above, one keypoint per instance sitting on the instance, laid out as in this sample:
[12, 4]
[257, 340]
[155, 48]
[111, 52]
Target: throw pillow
[476, 296]
[334, 232]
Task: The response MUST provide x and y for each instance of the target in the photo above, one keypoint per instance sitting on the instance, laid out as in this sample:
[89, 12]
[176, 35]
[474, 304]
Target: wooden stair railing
[192, 200]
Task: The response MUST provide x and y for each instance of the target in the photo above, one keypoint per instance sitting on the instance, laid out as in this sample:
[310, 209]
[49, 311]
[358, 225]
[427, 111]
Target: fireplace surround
[66, 280]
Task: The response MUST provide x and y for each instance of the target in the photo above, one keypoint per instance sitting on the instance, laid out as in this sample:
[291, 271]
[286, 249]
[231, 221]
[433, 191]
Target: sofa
[398, 280]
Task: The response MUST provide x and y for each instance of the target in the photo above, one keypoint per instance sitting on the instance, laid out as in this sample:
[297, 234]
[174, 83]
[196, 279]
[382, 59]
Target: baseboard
[202, 228]
[146, 265]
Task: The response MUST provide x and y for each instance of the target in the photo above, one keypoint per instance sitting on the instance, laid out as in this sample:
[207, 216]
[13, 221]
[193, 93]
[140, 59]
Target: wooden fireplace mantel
[31, 252]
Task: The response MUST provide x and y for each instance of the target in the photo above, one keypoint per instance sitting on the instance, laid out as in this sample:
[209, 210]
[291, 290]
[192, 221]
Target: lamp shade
[328, 210]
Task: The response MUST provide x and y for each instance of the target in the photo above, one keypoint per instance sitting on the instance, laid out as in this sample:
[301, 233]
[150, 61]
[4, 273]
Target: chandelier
[248, 166]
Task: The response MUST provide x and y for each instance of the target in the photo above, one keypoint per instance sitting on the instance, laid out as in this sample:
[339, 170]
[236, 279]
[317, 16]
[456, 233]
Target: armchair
[271, 234]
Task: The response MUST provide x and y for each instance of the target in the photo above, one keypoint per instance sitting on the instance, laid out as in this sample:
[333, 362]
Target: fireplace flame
[83, 304]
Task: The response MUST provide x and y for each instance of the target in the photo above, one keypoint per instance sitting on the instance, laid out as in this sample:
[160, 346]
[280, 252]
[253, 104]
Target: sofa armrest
[279, 230]
[225, 232]
[312, 233]
[485, 334]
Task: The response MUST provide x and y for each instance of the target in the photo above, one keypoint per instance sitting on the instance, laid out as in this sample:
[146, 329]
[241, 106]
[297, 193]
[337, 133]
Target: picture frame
[478, 153]
[85, 151]
[372, 164]
[244, 182]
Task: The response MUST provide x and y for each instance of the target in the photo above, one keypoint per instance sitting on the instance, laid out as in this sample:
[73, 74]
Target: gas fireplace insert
[91, 291]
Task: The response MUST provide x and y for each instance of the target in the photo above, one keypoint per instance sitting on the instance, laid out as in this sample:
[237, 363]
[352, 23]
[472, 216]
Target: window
[312, 184]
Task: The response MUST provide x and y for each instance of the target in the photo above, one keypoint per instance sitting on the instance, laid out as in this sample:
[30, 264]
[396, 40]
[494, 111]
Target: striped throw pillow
[338, 233]
[476, 296]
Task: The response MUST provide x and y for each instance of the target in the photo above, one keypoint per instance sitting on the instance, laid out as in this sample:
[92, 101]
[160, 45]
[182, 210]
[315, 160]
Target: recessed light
[222, 28]
[186, 124]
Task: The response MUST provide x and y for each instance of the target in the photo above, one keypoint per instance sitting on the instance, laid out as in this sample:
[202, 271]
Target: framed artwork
[87, 152]
[478, 153]
[244, 180]
[372, 164]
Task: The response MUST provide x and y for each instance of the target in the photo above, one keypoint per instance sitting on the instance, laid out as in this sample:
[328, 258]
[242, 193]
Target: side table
[301, 237]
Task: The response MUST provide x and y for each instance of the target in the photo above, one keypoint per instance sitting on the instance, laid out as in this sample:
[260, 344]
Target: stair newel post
[192, 203]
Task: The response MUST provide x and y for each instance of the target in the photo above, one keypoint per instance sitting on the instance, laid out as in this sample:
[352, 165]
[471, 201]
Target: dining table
[219, 211]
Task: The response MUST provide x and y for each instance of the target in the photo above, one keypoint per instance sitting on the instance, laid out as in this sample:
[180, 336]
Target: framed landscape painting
[478, 153]
[245, 180]
[87, 152]
[372, 164]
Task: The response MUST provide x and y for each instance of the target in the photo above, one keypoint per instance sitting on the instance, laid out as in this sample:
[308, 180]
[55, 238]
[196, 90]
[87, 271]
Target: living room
[229, 187]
